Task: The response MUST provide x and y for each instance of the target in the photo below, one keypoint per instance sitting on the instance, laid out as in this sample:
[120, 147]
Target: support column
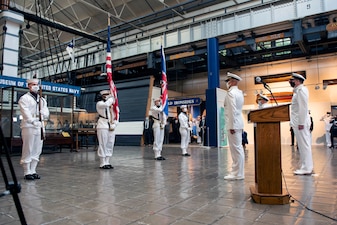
[10, 23]
[213, 83]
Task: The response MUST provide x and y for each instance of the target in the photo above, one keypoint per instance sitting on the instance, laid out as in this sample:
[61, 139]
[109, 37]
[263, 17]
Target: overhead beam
[57, 25]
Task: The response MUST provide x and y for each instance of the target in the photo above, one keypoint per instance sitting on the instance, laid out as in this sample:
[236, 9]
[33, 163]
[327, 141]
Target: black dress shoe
[29, 177]
[104, 167]
[186, 154]
[109, 166]
[160, 158]
[36, 176]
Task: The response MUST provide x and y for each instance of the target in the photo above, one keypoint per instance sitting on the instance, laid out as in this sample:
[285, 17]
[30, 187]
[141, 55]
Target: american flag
[108, 65]
[164, 92]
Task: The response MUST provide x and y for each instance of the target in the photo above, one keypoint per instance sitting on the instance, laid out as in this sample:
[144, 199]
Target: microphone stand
[266, 86]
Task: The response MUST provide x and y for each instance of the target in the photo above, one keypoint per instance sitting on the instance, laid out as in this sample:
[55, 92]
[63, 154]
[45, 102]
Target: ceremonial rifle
[40, 116]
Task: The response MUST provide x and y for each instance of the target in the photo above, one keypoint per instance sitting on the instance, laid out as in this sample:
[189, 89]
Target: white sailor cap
[157, 99]
[264, 97]
[298, 76]
[234, 76]
[183, 106]
[33, 80]
[105, 92]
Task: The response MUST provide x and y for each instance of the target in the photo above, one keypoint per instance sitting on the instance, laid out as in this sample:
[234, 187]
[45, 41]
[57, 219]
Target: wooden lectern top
[270, 114]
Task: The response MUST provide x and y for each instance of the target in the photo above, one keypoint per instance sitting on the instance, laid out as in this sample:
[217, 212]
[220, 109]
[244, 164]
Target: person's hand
[37, 124]
[113, 126]
[232, 131]
[110, 100]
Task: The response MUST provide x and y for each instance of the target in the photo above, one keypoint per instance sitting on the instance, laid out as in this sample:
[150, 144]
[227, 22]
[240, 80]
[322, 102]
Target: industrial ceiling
[51, 25]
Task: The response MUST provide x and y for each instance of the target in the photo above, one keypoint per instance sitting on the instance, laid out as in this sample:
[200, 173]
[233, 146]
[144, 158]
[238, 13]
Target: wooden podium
[267, 140]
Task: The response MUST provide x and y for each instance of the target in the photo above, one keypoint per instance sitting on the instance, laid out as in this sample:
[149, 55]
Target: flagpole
[115, 108]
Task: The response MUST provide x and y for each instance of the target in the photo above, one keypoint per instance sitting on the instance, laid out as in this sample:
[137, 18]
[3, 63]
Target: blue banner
[186, 101]
[6, 81]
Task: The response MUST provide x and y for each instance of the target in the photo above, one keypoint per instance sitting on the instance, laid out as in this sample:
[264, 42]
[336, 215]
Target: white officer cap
[156, 99]
[105, 92]
[264, 97]
[183, 106]
[234, 76]
[298, 76]
[33, 80]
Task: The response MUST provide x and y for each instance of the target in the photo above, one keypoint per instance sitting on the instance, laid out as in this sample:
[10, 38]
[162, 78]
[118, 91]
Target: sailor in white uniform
[34, 111]
[159, 121]
[300, 122]
[184, 129]
[106, 125]
[234, 123]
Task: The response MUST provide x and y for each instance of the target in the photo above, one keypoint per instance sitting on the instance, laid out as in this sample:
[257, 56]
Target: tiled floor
[179, 190]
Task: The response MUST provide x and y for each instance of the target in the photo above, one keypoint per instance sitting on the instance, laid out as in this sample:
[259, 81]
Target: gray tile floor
[179, 191]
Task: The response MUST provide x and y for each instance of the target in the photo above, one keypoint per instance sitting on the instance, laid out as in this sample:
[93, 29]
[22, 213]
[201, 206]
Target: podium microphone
[266, 86]
[259, 80]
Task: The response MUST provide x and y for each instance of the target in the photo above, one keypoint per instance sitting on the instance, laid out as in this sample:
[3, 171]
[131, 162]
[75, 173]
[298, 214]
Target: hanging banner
[6, 81]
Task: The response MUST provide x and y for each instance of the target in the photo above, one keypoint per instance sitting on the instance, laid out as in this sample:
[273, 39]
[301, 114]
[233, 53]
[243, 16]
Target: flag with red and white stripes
[108, 65]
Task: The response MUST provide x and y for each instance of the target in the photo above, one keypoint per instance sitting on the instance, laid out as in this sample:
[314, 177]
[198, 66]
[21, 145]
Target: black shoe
[160, 158]
[186, 154]
[104, 167]
[36, 176]
[109, 166]
[29, 177]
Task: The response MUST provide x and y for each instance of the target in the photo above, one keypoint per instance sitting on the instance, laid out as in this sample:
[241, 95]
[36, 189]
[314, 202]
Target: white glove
[37, 124]
[112, 126]
[189, 128]
[110, 101]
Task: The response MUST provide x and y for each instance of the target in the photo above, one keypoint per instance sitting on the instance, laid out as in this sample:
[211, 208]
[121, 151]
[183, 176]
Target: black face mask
[158, 106]
[292, 83]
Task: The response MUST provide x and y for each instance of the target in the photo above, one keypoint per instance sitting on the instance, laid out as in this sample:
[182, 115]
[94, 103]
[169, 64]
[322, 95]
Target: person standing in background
[327, 118]
[184, 130]
[262, 101]
[106, 125]
[300, 122]
[333, 132]
[147, 131]
[159, 122]
[292, 136]
[34, 111]
[234, 123]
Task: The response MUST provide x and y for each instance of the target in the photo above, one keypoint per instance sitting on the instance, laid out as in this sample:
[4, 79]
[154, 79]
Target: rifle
[40, 116]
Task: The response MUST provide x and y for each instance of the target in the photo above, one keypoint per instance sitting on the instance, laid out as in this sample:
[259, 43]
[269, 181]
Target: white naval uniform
[105, 130]
[159, 121]
[184, 130]
[31, 130]
[300, 116]
[233, 117]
